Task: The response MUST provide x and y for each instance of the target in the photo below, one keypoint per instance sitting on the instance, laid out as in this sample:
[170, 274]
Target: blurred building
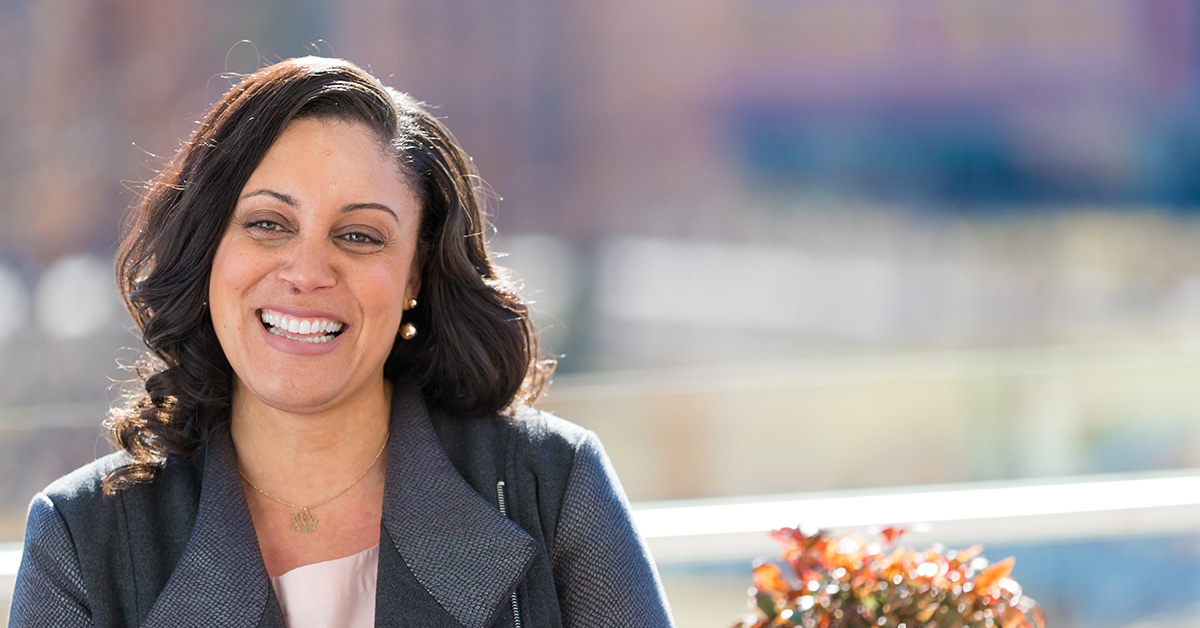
[816, 176]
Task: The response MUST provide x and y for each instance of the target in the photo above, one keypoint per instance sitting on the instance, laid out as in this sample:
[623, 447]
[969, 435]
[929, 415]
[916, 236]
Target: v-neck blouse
[338, 592]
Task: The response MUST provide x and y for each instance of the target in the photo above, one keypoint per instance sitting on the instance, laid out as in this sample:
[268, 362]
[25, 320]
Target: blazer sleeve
[49, 591]
[604, 574]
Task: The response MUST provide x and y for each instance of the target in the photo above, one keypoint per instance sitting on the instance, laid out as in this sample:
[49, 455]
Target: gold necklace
[303, 520]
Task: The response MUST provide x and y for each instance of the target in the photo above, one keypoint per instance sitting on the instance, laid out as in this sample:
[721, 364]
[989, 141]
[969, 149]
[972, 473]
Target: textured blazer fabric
[181, 551]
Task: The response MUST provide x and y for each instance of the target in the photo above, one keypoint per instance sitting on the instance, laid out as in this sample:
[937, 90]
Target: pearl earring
[407, 331]
[410, 304]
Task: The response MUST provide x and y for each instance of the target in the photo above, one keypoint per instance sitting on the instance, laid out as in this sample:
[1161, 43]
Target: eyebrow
[288, 200]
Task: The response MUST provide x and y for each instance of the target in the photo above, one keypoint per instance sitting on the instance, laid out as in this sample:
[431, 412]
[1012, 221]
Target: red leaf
[891, 533]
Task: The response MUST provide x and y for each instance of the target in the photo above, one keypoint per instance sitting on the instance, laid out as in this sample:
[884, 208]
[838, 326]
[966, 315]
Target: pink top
[338, 592]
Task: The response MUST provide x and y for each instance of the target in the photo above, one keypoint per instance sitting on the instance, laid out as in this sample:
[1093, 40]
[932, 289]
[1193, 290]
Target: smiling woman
[334, 428]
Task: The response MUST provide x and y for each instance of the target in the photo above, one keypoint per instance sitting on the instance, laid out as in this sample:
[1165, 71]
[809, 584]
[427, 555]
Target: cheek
[389, 301]
[231, 274]
[385, 293]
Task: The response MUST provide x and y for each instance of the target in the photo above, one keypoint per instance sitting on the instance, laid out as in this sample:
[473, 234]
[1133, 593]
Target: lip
[298, 347]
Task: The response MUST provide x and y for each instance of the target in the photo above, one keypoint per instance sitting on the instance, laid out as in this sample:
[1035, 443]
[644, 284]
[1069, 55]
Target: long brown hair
[476, 353]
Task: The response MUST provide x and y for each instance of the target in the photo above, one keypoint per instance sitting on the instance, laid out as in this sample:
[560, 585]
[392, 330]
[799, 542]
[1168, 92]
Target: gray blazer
[182, 551]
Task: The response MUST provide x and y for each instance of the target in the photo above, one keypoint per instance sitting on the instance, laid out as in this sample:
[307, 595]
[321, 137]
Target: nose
[308, 266]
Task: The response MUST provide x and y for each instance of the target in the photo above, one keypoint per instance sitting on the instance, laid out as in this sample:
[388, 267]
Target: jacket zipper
[502, 501]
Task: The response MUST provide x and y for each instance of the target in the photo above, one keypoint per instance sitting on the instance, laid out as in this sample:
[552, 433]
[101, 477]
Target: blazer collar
[220, 580]
[457, 545]
[455, 542]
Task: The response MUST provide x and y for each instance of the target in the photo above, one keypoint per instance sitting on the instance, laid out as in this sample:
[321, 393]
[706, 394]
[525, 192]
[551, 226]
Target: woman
[334, 430]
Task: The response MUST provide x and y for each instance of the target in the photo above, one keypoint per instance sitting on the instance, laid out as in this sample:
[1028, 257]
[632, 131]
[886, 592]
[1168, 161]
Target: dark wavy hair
[476, 353]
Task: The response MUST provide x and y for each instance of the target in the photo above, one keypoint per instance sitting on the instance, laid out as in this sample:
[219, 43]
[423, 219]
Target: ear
[414, 273]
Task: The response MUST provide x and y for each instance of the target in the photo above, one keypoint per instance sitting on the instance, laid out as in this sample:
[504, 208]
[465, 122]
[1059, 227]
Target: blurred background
[784, 248]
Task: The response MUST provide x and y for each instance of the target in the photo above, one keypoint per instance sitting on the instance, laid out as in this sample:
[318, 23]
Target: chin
[302, 398]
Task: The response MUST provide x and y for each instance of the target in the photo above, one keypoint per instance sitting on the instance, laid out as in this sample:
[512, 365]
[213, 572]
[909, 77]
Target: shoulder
[534, 433]
[82, 489]
[65, 522]
[104, 528]
[103, 550]
[549, 434]
[79, 498]
[71, 505]
[529, 448]
[568, 460]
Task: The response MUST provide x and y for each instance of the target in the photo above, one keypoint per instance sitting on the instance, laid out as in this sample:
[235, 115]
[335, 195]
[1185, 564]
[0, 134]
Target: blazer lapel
[456, 544]
[220, 580]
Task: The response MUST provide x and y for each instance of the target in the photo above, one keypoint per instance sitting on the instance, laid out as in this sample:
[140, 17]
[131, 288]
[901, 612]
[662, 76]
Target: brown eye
[357, 237]
[263, 225]
[360, 238]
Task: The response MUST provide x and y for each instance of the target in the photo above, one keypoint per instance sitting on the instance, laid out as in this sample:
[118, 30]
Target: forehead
[344, 154]
[311, 133]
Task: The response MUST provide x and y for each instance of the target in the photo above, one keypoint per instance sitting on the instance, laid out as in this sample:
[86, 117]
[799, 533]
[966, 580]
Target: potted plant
[846, 581]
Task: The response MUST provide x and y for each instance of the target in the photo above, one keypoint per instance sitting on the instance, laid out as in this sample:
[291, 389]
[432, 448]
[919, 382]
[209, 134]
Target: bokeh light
[75, 297]
[14, 303]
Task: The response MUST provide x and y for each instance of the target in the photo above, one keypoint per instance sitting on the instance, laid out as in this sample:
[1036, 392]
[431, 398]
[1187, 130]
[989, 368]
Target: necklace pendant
[304, 521]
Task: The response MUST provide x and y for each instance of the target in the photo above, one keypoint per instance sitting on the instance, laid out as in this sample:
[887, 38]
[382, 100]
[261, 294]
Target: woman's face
[310, 277]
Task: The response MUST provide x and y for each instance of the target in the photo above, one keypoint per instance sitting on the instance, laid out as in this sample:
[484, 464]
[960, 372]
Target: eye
[267, 228]
[263, 224]
[358, 237]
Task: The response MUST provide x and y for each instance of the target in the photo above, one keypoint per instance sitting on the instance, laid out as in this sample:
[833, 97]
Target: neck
[304, 458]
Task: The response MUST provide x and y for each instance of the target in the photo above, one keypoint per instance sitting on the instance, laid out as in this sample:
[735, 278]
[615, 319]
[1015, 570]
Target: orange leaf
[964, 556]
[768, 578]
[789, 537]
[990, 577]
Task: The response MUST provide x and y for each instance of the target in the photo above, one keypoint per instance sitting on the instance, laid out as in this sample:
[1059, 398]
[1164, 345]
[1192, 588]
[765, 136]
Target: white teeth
[292, 327]
[314, 339]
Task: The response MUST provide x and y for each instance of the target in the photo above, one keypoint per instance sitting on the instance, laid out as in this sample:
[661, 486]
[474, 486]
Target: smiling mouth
[314, 330]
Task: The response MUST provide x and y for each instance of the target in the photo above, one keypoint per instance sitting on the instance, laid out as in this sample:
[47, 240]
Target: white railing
[954, 515]
[10, 558]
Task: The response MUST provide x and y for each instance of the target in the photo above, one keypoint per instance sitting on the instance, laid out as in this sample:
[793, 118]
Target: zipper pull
[502, 502]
